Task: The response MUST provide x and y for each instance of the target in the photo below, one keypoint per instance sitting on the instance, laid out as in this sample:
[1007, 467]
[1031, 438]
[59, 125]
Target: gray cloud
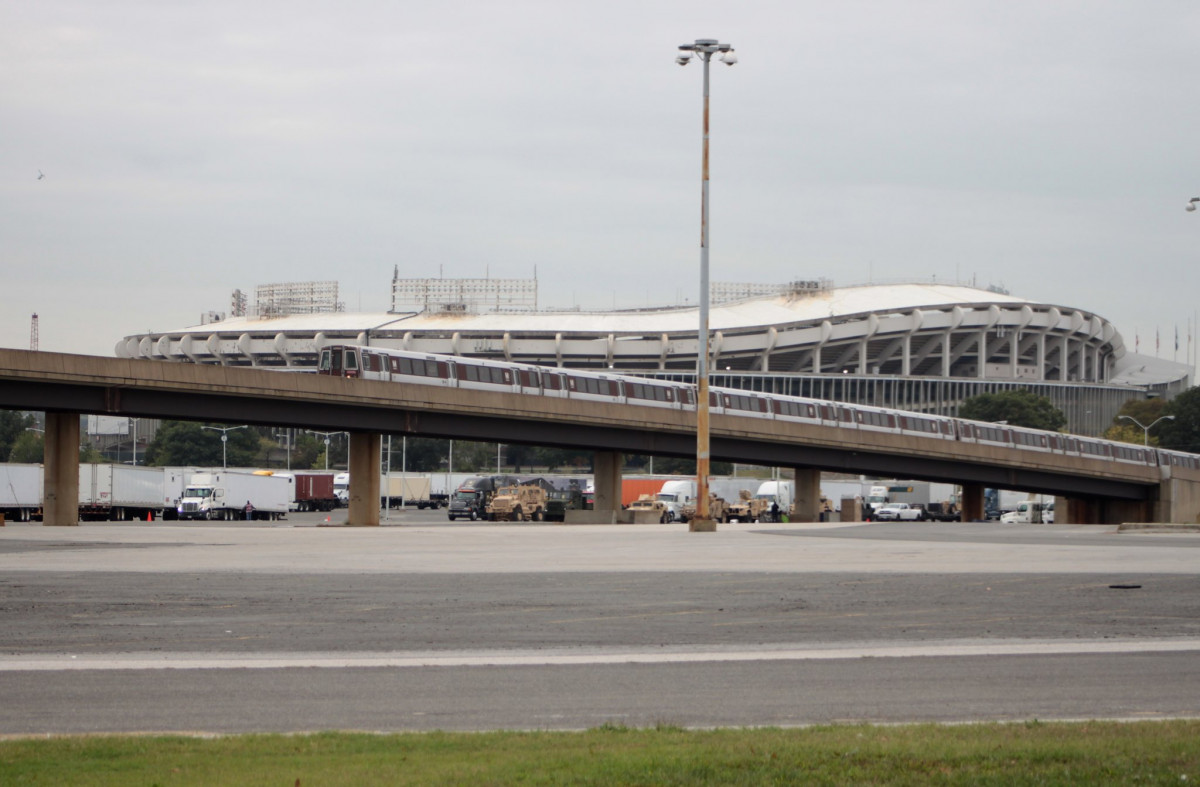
[191, 148]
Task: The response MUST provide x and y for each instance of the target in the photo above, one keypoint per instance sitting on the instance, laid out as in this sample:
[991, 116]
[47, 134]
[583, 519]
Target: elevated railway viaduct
[65, 386]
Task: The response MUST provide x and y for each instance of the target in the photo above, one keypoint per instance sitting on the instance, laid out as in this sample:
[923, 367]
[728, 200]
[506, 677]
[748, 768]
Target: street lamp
[133, 422]
[326, 435]
[224, 430]
[704, 49]
[1146, 429]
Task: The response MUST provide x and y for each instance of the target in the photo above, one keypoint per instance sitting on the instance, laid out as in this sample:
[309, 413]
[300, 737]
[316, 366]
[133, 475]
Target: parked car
[896, 512]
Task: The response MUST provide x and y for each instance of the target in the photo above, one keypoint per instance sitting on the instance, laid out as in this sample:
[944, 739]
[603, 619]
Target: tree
[12, 426]
[1146, 412]
[29, 448]
[187, 443]
[1183, 433]
[1020, 407]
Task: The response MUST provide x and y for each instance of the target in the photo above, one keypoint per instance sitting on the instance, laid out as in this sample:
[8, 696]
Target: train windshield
[323, 364]
[351, 360]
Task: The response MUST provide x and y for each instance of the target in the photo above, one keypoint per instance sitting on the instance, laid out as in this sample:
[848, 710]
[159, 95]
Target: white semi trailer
[225, 495]
[120, 492]
[20, 491]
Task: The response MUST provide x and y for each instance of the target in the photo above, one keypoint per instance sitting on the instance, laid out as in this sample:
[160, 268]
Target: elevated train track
[72, 384]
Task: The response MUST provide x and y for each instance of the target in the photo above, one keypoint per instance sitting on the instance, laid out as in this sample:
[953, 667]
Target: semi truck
[675, 495]
[20, 491]
[226, 495]
[779, 493]
[471, 498]
[120, 492]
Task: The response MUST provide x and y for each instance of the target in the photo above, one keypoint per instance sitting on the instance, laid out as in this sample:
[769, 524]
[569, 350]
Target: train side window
[323, 364]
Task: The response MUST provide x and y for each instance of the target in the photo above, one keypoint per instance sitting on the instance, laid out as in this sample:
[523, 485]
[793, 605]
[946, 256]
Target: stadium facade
[921, 347]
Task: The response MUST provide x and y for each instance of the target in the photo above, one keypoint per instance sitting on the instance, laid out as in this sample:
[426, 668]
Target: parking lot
[424, 623]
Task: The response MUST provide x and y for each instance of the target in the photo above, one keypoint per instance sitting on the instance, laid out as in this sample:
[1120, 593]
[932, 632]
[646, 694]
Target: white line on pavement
[330, 660]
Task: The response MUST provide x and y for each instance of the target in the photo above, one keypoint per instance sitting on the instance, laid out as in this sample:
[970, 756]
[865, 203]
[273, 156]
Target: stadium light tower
[704, 49]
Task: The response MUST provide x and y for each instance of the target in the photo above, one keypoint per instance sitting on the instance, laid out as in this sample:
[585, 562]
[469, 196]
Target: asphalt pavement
[424, 624]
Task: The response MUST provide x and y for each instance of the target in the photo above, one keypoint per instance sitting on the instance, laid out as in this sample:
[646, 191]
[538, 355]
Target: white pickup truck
[897, 512]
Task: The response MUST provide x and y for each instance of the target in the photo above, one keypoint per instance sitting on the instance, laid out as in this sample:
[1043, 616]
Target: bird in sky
[41, 176]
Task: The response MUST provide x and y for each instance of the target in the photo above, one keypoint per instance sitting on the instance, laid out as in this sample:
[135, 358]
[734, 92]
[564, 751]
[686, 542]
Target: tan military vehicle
[716, 509]
[747, 509]
[518, 504]
[653, 506]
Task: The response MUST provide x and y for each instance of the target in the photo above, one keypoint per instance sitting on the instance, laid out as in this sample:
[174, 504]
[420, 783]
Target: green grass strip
[1158, 752]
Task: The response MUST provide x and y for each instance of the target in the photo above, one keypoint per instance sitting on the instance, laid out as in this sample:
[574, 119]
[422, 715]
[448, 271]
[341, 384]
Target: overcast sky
[190, 148]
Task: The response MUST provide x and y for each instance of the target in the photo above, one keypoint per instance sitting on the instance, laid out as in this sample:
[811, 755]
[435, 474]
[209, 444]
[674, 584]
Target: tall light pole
[326, 435]
[133, 422]
[1146, 429]
[703, 48]
[224, 430]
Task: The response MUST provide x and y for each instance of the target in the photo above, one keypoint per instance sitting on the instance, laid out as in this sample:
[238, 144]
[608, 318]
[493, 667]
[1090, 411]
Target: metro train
[375, 363]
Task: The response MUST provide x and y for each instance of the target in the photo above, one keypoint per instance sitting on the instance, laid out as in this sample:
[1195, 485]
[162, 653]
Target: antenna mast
[33, 332]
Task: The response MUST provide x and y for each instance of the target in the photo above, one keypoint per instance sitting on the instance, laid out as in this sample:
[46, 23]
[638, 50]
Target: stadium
[922, 347]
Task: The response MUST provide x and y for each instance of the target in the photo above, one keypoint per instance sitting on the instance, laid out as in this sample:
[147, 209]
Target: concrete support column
[906, 358]
[1178, 502]
[60, 493]
[946, 354]
[982, 356]
[862, 356]
[971, 504]
[807, 504]
[1064, 359]
[607, 483]
[1014, 353]
[1041, 357]
[364, 468]
[1076, 511]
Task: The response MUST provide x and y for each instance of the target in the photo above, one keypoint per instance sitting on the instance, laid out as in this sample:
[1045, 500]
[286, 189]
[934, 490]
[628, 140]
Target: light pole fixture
[133, 422]
[1146, 429]
[326, 435]
[704, 49]
[1191, 206]
[224, 430]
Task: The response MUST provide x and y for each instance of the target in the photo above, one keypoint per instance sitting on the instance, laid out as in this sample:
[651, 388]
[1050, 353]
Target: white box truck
[227, 495]
[20, 491]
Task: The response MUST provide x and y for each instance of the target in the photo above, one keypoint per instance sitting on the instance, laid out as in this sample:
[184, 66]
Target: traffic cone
[149, 516]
